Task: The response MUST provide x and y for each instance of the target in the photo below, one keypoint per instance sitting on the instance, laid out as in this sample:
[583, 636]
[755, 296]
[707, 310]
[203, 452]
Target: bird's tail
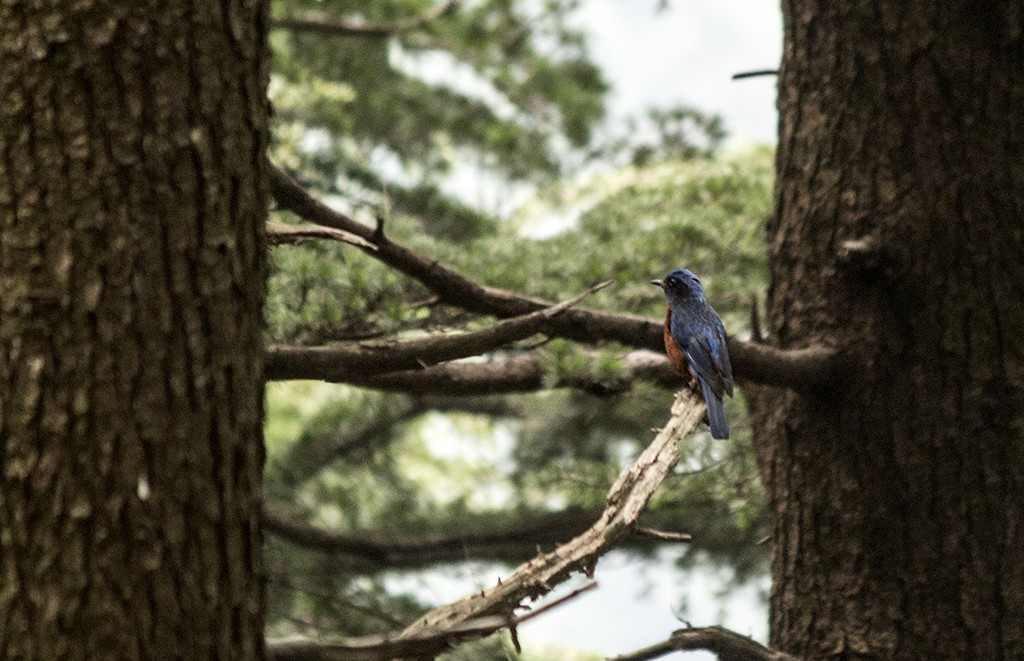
[716, 412]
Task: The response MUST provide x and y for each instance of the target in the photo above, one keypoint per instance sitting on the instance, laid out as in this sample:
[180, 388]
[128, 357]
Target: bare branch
[728, 645]
[343, 361]
[813, 367]
[526, 373]
[332, 27]
[495, 605]
[281, 233]
[662, 535]
[802, 369]
[426, 645]
[456, 289]
[755, 74]
[625, 500]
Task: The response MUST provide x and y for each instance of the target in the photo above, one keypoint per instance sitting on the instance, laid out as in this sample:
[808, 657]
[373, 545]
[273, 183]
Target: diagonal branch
[625, 500]
[456, 289]
[324, 25]
[623, 505]
[728, 645]
[348, 360]
[425, 646]
[812, 367]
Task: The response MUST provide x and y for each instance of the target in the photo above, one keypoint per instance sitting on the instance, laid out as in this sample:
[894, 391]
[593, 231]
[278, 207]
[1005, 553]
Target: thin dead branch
[626, 499]
[524, 373]
[282, 233]
[426, 645]
[445, 625]
[662, 535]
[728, 645]
[348, 360]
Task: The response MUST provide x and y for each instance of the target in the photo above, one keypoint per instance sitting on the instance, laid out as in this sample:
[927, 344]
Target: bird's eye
[673, 282]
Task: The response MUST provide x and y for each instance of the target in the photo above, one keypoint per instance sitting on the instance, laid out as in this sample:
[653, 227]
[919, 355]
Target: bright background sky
[687, 53]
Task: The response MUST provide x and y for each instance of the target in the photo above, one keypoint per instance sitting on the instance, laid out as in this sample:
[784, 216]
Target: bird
[695, 343]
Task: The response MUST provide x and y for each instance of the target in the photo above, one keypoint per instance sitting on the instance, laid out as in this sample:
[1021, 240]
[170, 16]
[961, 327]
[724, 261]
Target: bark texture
[132, 203]
[897, 494]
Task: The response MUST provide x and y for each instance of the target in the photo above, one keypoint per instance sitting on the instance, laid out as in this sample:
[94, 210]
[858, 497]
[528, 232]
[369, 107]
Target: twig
[623, 504]
[813, 367]
[662, 535]
[755, 74]
[755, 321]
[281, 233]
[728, 645]
[426, 645]
[525, 373]
[490, 609]
[344, 361]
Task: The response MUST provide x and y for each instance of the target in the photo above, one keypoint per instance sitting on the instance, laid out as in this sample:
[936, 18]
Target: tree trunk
[132, 204]
[898, 234]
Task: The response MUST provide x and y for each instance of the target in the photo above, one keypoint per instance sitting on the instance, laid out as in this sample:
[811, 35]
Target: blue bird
[695, 343]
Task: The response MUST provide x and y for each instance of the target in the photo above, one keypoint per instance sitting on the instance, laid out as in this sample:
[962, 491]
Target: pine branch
[348, 360]
[728, 645]
[523, 373]
[808, 368]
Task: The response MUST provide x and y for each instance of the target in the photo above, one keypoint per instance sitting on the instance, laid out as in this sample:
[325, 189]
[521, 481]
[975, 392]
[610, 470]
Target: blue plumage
[695, 343]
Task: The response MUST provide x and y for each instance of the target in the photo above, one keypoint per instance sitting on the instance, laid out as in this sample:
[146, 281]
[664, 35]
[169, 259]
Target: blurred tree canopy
[387, 109]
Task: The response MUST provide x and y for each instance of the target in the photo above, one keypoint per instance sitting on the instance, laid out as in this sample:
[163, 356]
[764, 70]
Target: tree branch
[348, 360]
[525, 373]
[799, 368]
[754, 74]
[423, 646]
[324, 25]
[281, 233]
[728, 645]
[623, 505]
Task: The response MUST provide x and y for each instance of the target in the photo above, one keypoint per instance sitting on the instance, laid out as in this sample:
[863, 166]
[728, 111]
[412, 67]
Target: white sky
[687, 54]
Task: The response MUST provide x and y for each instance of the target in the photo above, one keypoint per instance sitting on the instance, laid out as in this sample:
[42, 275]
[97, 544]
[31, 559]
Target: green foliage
[434, 474]
[499, 85]
[376, 125]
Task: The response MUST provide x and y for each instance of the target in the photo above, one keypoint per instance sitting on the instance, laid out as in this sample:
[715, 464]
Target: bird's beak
[659, 283]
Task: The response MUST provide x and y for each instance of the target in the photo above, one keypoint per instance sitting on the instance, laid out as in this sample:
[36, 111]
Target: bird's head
[680, 287]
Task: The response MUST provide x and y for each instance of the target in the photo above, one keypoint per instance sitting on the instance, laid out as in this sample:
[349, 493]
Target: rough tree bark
[897, 495]
[132, 204]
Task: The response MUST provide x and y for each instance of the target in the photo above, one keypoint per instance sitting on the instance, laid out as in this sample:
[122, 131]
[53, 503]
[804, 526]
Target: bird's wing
[723, 361]
[705, 353]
